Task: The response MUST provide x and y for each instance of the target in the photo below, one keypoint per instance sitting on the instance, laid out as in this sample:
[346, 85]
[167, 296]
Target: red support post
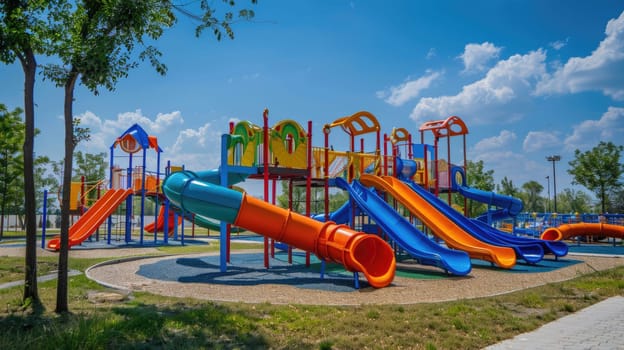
[308, 184]
[265, 158]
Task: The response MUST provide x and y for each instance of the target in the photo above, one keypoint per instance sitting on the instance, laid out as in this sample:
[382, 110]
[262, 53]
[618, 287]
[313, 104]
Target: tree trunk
[29, 65]
[62, 305]
[2, 211]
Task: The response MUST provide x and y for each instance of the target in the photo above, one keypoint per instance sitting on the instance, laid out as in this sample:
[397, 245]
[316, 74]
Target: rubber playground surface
[248, 269]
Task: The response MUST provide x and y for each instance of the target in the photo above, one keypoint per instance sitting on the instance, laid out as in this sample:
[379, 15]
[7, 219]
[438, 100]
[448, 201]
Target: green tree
[317, 199]
[477, 177]
[599, 170]
[92, 167]
[572, 201]
[24, 34]
[297, 198]
[45, 180]
[507, 187]
[98, 43]
[531, 196]
[616, 201]
[11, 165]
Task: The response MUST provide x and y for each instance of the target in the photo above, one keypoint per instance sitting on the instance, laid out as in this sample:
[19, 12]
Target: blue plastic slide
[531, 250]
[342, 215]
[408, 237]
[493, 215]
[509, 205]
[550, 247]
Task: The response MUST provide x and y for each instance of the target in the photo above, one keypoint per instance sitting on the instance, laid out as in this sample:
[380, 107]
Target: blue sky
[530, 78]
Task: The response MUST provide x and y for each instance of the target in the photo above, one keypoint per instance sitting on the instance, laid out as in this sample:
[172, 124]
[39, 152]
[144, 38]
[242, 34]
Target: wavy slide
[509, 206]
[356, 251]
[408, 237]
[443, 227]
[88, 223]
[582, 229]
[530, 249]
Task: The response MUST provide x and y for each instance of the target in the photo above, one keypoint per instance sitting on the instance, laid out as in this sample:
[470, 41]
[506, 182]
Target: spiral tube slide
[356, 251]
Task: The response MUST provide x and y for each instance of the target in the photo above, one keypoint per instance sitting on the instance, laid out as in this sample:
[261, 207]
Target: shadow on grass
[134, 326]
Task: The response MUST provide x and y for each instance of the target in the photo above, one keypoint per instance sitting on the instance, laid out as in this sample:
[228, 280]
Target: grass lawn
[151, 321]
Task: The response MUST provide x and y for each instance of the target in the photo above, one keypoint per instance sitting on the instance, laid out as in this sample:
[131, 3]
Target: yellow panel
[175, 169]
[74, 196]
[246, 137]
[289, 135]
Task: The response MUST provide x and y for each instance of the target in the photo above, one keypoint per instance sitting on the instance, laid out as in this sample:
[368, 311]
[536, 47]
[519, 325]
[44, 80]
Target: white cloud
[507, 81]
[559, 44]
[538, 140]
[199, 147]
[600, 71]
[399, 95]
[495, 143]
[476, 56]
[610, 127]
[431, 53]
[104, 132]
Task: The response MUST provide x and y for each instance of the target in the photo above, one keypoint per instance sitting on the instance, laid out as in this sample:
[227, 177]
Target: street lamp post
[553, 159]
[548, 186]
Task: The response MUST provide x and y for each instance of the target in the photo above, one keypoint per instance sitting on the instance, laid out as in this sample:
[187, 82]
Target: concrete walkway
[600, 326]
[43, 278]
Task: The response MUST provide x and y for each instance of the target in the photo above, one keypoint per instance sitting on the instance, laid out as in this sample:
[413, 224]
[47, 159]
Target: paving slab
[600, 326]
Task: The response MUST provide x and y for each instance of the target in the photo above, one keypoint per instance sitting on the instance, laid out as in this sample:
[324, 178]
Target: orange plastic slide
[159, 224]
[582, 229]
[357, 251]
[442, 226]
[93, 218]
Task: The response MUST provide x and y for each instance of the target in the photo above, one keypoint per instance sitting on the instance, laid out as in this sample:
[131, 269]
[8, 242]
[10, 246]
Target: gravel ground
[481, 282]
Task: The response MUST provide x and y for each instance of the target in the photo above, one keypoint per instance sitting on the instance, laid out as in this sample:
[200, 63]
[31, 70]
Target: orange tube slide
[582, 229]
[357, 251]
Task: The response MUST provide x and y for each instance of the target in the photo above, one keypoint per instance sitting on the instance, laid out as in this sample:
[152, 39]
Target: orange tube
[357, 251]
[582, 229]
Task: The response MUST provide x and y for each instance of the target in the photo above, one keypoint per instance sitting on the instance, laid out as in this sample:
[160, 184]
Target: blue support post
[128, 225]
[165, 225]
[175, 226]
[223, 174]
[356, 280]
[142, 219]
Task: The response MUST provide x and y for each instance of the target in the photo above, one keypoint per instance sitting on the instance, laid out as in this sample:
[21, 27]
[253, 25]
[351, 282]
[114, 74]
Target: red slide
[88, 223]
[159, 224]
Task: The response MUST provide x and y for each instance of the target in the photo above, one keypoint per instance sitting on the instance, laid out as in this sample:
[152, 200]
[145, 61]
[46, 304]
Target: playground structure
[124, 186]
[287, 149]
[365, 235]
